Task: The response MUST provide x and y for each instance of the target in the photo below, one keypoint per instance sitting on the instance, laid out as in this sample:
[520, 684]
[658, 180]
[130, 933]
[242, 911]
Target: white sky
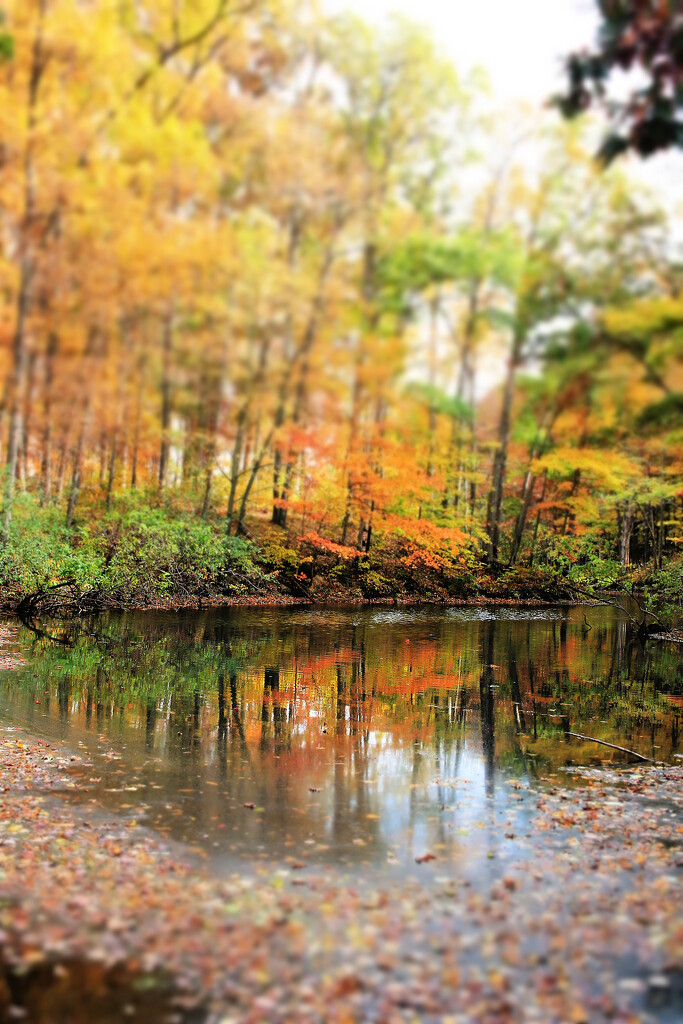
[521, 45]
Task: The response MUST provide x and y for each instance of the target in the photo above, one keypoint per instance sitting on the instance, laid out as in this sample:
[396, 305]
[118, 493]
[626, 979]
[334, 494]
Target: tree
[642, 34]
[139, 65]
[256, 268]
[402, 107]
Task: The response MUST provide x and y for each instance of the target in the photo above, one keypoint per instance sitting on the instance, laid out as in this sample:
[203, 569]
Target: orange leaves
[322, 544]
[425, 544]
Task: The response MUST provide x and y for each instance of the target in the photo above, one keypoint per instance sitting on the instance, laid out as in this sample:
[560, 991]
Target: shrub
[39, 552]
[372, 582]
[663, 591]
[154, 554]
[275, 555]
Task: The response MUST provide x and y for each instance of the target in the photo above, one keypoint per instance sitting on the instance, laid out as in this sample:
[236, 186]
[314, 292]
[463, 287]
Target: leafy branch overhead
[644, 37]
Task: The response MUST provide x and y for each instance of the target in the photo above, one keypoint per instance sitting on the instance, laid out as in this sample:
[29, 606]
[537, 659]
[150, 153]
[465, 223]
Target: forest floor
[103, 921]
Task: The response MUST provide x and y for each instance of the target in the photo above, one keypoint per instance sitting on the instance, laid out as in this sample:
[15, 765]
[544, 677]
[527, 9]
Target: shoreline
[287, 601]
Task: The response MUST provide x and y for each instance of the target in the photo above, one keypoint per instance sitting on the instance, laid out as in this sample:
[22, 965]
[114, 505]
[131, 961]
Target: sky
[521, 45]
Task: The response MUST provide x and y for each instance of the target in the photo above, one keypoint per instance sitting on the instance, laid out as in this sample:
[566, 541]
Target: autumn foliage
[282, 306]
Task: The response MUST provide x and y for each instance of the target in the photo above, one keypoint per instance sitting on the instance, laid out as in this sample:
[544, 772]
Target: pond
[356, 740]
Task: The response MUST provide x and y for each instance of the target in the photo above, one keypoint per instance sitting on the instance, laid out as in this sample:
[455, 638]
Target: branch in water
[624, 750]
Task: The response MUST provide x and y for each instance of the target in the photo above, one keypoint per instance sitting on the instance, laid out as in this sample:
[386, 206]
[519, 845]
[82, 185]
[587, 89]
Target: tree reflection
[341, 730]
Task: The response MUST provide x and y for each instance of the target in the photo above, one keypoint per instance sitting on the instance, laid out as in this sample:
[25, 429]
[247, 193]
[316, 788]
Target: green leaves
[410, 267]
[6, 41]
[612, 147]
[440, 402]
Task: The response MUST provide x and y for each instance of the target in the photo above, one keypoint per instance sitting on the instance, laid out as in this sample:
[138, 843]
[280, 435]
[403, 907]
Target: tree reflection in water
[362, 737]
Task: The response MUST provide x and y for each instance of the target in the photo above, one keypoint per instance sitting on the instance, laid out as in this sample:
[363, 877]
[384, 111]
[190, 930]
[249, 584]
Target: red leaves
[425, 858]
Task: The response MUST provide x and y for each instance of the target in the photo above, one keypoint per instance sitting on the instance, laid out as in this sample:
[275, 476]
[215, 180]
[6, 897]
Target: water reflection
[356, 738]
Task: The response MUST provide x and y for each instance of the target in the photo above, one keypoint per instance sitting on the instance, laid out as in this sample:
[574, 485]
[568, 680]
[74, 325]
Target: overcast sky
[520, 43]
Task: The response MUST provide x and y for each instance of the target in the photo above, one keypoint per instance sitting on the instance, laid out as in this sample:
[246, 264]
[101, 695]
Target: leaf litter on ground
[102, 920]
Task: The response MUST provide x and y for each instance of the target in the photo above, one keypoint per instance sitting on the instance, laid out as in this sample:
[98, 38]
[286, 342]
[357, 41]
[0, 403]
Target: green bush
[240, 571]
[596, 573]
[154, 554]
[136, 550]
[663, 591]
[39, 552]
[372, 582]
[275, 555]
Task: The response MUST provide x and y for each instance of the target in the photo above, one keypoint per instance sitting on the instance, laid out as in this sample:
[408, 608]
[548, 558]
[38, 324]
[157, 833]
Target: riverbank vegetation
[288, 308]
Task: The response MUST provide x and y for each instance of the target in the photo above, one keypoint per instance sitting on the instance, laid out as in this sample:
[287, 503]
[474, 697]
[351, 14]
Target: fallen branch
[624, 750]
[603, 599]
[65, 600]
[673, 637]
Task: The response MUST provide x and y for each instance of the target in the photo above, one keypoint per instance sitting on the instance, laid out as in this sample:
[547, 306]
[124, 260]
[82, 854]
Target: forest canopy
[285, 300]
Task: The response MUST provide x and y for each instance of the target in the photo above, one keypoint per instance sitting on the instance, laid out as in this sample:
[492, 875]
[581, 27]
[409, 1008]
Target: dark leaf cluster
[634, 34]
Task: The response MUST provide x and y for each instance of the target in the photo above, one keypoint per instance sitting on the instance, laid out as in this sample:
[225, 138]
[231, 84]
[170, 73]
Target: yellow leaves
[644, 318]
[608, 471]
[175, 155]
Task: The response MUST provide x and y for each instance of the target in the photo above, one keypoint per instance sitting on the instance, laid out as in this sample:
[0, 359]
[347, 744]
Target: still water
[354, 740]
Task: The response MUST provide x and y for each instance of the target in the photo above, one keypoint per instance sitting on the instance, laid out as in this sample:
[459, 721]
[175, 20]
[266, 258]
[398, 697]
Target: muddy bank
[586, 929]
[194, 603]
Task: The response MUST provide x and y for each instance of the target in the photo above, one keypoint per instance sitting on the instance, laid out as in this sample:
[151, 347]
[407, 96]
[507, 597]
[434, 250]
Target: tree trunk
[625, 535]
[207, 492]
[112, 468]
[17, 376]
[17, 384]
[136, 440]
[532, 549]
[235, 468]
[23, 467]
[77, 464]
[250, 482]
[538, 448]
[75, 477]
[495, 502]
[165, 420]
[661, 529]
[465, 389]
[282, 486]
[62, 448]
[46, 455]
